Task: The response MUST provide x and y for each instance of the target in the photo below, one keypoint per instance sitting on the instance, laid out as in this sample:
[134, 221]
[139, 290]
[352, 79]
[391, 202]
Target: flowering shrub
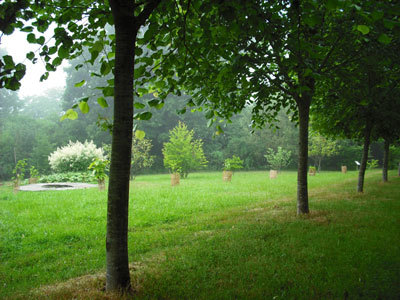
[75, 157]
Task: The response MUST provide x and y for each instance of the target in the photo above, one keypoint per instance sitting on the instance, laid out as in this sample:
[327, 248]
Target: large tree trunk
[364, 159]
[302, 188]
[385, 161]
[117, 273]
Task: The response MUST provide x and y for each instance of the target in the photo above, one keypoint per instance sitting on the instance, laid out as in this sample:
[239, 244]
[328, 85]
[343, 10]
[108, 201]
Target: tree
[279, 159]
[141, 157]
[71, 35]
[119, 53]
[388, 125]
[182, 154]
[321, 147]
[232, 164]
[356, 101]
[272, 55]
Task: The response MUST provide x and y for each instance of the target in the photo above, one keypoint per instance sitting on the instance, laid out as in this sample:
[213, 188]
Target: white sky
[17, 46]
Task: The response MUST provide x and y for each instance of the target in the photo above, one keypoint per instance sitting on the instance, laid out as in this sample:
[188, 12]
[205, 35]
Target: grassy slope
[208, 239]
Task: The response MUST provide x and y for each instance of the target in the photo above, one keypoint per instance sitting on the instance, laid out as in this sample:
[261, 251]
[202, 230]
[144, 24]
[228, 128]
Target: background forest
[30, 128]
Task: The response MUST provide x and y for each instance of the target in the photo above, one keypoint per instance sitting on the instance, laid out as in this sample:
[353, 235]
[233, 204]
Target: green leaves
[30, 55]
[332, 4]
[384, 39]
[9, 62]
[312, 21]
[70, 114]
[144, 116]
[102, 102]
[139, 105]
[108, 91]
[140, 134]
[139, 72]
[105, 68]
[63, 52]
[27, 29]
[31, 38]
[153, 103]
[364, 29]
[10, 73]
[84, 107]
[80, 83]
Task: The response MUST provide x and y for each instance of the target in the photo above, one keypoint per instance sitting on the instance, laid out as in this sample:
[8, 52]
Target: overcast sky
[17, 46]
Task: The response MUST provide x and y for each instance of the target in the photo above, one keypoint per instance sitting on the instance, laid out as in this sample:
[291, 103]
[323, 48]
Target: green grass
[210, 240]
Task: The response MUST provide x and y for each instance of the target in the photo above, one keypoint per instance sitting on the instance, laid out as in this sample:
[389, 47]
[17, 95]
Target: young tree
[279, 159]
[141, 157]
[321, 147]
[182, 154]
[233, 163]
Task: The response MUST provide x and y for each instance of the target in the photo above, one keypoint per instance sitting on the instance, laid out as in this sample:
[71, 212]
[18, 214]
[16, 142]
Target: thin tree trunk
[15, 156]
[364, 159]
[302, 185]
[117, 263]
[319, 164]
[385, 161]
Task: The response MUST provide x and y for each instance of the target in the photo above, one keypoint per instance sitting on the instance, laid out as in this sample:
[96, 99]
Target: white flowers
[75, 157]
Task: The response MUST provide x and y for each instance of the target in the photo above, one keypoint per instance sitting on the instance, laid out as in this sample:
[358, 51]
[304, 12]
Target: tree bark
[319, 164]
[364, 159]
[385, 160]
[302, 185]
[117, 263]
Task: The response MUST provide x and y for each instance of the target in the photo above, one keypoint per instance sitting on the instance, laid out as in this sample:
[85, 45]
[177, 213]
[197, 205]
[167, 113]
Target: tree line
[31, 129]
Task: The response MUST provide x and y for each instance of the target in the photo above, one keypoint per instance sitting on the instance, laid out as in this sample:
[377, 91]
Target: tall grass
[209, 239]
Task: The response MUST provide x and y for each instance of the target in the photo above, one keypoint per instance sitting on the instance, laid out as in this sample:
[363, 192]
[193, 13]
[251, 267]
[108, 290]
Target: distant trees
[182, 153]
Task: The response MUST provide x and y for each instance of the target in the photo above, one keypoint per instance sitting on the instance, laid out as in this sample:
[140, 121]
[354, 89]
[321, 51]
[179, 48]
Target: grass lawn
[206, 239]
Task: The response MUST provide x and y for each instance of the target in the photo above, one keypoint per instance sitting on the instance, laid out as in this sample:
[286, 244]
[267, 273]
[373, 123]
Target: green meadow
[208, 239]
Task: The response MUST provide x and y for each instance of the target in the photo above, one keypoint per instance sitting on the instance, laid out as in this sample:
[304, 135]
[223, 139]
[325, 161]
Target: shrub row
[87, 177]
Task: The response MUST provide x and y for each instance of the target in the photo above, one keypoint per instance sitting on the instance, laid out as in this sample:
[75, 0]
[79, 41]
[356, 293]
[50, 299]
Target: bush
[75, 157]
[87, 177]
